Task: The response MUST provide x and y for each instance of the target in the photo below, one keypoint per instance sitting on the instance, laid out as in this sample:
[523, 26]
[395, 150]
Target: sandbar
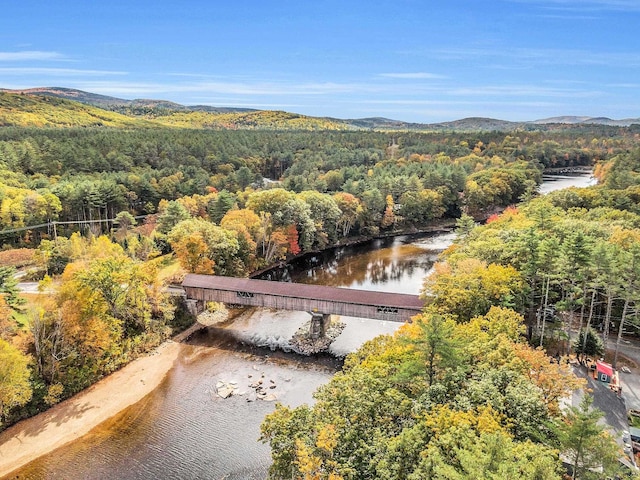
[71, 419]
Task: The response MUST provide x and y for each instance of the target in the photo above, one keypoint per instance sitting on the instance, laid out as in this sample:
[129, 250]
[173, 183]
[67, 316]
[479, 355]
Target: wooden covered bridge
[319, 300]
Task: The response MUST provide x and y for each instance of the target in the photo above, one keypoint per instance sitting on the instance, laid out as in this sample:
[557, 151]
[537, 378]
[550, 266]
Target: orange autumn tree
[292, 239]
[555, 381]
[192, 252]
[389, 217]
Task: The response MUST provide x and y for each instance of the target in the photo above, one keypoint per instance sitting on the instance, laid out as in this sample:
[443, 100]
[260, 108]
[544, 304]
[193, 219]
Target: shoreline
[437, 228]
[75, 417]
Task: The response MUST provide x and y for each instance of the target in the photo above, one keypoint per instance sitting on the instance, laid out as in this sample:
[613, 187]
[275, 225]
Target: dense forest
[77, 175]
[100, 215]
[463, 392]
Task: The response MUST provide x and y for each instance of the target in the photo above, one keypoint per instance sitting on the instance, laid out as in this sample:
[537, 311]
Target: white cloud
[587, 5]
[224, 88]
[490, 103]
[522, 91]
[516, 58]
[55, 72]
[412, 75]
[30, 55]
[624, 85]
[257, 105]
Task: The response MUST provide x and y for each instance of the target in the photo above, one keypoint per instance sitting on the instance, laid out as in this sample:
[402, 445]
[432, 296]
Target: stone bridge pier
[195, 307]
[319, 324]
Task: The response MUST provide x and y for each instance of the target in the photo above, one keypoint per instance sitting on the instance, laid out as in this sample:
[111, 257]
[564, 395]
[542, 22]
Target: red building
[604, 372]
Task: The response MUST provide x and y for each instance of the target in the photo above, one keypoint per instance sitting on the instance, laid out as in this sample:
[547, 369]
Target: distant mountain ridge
[115, 103]
[167, 113]
[625, 122]
[40, 108]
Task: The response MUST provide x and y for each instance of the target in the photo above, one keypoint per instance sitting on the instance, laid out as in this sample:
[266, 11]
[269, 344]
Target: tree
[9, 287]
[15, 388]
[292, 240]
[272, 241]
[464, 225]
[373, 205]
[269, 201]
[217, 244]
[434, 343]
[389, 218]
[125, 221]
[284, 208]
[469, 287]
[281, 429]
[466, 455]
[173, 214]
[275, 246]
[554, 381]
[334, 180]
[325, 213]
[420, 207]
[586, 444]
[246, 224]
[351, 210]
[297, 212]
[588, 344]
[221, 205]
[244, 177]
[50, 346]
[192, 253]
[54, 255]
[242, 219]
[574, 261]
[119, 285]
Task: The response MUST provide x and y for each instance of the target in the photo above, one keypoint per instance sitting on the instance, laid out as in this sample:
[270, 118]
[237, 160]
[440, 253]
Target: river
[184, 430]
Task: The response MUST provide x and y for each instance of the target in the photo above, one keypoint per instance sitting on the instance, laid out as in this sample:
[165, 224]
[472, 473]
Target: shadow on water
[223, 339]
[184, 430]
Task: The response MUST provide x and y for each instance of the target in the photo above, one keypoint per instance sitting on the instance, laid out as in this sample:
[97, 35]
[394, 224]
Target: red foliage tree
[292, 239]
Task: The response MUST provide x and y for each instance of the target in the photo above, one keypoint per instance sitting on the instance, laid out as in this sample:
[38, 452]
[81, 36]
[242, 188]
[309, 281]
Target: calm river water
[183, 430]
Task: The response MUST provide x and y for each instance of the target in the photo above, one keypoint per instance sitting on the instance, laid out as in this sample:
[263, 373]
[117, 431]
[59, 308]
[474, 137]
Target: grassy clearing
[18, 257]
[169, 269]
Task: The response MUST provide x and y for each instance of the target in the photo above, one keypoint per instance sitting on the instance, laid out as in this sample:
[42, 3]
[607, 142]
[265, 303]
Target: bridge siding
[196, 288]
[284, 289]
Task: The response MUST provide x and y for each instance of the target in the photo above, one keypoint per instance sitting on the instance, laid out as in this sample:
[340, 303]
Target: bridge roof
[300, 290]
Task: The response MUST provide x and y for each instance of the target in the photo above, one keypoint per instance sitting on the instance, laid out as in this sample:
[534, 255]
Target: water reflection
[391, 265]
[552, 183]
[181, 430]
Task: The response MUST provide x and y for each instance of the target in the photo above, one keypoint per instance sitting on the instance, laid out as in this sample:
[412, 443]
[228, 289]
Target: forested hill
[64, 107]
[45, 110]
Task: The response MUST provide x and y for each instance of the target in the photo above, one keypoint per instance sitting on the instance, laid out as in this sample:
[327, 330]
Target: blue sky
[413, 60]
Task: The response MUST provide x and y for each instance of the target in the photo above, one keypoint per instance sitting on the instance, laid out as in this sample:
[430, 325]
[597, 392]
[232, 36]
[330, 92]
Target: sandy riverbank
[76, 416]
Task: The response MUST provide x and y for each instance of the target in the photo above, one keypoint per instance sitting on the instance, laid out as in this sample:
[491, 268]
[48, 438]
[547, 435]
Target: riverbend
[169, 421]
